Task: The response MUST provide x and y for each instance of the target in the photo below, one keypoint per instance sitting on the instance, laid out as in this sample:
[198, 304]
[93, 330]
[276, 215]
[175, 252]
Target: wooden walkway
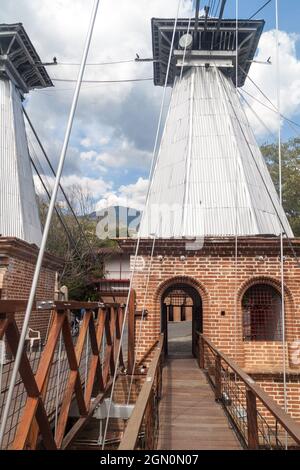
[190, 419]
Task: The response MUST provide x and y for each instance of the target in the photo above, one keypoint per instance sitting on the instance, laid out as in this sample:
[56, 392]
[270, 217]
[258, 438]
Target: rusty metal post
[201, 352]
[218, 378]
[131, 332]
[253, 440]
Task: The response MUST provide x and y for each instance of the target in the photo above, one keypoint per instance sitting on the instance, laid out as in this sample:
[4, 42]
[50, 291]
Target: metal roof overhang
[19, 59]
[212, 37]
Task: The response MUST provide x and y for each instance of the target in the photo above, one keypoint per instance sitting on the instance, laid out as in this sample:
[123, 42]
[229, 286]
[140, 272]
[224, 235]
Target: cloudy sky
[114, 130]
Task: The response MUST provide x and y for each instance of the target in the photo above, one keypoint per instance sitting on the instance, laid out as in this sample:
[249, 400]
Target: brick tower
[21, 70]
[215, 212]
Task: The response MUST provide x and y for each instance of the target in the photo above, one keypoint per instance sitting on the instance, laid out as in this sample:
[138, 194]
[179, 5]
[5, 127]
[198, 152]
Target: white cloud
[115, 124]
[117, 121]
[96, 186]
[88, 155]
[125, 156]
[86, 142]
[265, 77]
[132, 195]
[104, 140]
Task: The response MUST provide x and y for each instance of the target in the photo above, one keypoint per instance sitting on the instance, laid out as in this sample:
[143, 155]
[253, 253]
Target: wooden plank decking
[189, 416]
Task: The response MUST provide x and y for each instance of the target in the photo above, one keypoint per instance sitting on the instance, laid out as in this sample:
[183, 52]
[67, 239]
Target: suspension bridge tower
[209, 166]
[21, 70]
[209, 250]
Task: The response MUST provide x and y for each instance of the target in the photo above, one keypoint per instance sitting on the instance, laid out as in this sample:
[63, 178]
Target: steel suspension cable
[152, 171]
[213, 7]
[151, 255]
[260, 9]
[282, 259]
[257, 116]
[58, 213]
[289, 122]
[268, 99]
[46, 185]
[189, 152]
[265, 184]
[185, 49]
[129, 80]
[250, 18]
[116, 62]
[155, 154]
[48, 193]
[60, 185]
[278, 78]
[189, 155]
[142, 319]
[236, 185]
[152, 250]
[47, 227]
[217, 7]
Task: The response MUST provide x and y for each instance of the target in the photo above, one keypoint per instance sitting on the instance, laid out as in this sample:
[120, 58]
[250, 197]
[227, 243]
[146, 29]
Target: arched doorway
[181, 318]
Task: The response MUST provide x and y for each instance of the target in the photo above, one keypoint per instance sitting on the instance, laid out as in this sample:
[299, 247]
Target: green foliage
[290, 177]
[80, 264]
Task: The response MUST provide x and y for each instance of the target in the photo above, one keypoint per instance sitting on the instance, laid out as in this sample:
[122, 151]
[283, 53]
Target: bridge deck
[189, 416]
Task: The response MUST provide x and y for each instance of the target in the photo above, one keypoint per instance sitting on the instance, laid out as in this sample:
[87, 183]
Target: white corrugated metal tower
[20, 71]
[210, 178]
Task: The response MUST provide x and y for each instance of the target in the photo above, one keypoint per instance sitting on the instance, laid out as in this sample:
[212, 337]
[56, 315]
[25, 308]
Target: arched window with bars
[261, 305]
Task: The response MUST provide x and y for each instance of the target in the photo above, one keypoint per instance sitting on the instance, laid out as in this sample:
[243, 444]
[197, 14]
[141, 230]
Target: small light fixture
[186, 41]
[182, 258]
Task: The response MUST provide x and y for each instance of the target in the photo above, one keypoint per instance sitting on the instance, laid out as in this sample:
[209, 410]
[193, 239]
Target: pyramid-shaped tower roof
[210, 178]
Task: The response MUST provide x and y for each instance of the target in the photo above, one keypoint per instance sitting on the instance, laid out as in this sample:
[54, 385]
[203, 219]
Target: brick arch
[264, 280]
[188, 280]
[270, 281]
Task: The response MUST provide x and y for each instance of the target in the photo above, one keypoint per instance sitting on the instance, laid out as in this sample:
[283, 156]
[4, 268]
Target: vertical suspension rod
[278, 80]
[206, 9]
[221, 14]
[197, 15]
[47, 225]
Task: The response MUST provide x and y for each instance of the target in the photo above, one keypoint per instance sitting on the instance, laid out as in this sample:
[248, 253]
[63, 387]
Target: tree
[79, 250]
[290, 177]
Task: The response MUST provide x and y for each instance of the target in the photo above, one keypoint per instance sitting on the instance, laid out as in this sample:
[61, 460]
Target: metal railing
[259, 421]
[142, 428]
[67, 369]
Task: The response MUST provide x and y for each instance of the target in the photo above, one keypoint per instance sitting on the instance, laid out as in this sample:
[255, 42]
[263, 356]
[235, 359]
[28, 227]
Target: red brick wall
[273, 385]
[221, 281]
[17, 267]
[125, 389]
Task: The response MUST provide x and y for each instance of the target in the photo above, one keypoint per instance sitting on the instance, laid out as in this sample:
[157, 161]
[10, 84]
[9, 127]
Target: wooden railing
[260, 422]
[142, 428]
[68, 368]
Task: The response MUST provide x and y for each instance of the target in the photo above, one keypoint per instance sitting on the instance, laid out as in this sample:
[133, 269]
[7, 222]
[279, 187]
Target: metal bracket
[45, 305]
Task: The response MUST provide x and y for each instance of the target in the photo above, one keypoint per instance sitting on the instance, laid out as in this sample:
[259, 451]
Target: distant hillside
[119, 221]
